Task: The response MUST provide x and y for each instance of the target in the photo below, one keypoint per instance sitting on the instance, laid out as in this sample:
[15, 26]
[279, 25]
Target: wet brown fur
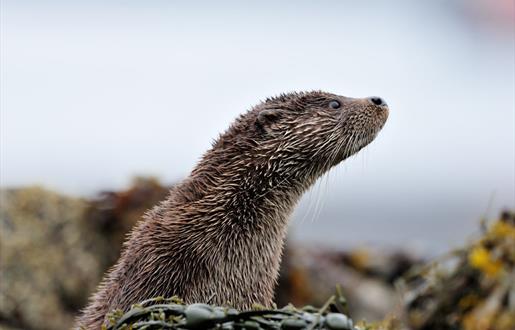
[219, 235]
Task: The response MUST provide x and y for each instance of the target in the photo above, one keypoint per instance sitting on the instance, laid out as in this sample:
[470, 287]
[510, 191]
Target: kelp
[172, 313]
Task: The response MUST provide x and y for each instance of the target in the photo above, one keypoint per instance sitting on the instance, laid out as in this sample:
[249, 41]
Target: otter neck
[250, 193]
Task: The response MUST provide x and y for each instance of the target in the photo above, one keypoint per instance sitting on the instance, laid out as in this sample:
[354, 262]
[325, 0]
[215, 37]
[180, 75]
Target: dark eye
[334, 104]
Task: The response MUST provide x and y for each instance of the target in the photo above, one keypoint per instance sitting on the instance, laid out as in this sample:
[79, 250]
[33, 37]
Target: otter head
[317, 128]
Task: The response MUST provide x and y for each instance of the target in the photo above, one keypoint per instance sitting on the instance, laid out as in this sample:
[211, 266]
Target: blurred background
[93, 94]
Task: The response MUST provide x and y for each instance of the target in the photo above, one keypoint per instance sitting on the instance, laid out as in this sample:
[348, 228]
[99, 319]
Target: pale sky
[95, 93]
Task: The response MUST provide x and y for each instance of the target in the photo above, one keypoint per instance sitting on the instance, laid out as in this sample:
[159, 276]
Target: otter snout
[376, 100]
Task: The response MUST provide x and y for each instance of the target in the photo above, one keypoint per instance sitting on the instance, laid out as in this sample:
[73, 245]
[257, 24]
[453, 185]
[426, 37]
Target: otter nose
[377, 100]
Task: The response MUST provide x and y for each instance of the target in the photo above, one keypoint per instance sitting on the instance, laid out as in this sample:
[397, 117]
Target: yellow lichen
[481, 259]
[503, 229]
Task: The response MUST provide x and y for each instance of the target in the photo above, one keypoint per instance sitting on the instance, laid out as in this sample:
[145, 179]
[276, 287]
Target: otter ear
[267, 116]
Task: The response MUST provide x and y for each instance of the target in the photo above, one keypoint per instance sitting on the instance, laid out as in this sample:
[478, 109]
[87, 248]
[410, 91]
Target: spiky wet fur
[219, 235]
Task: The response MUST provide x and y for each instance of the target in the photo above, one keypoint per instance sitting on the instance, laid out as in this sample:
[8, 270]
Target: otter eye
[334, 104]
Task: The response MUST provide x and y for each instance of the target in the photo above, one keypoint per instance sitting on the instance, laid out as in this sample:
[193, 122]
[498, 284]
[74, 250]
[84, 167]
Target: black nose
[377, 100]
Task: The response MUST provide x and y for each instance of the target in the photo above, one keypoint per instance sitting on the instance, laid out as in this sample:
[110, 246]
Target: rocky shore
[54, 250]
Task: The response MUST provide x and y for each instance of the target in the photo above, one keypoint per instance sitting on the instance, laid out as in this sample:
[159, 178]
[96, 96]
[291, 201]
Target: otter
[218, 237]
